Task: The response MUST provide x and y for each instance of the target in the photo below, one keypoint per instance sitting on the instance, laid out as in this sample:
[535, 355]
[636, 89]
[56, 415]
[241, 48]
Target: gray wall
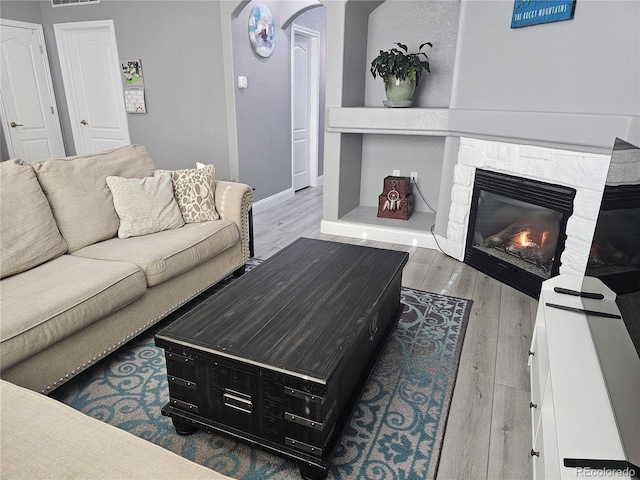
[263, 110]
[573, 84]
[575, 81]
[411, 23]
[22, 10]
[184, 81]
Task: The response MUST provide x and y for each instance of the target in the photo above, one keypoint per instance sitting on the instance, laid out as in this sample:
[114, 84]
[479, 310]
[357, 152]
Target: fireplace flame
[524, 239]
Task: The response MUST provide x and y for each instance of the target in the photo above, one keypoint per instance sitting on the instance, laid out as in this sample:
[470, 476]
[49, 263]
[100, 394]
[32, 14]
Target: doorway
[93, 85]
[305, 94]
[30, 120]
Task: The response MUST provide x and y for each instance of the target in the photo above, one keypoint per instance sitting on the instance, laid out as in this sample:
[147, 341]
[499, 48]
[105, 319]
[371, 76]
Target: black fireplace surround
[517, 229]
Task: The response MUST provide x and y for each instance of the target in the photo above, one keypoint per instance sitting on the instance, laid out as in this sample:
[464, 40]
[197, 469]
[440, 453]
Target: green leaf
[399, 63]
[402, 46]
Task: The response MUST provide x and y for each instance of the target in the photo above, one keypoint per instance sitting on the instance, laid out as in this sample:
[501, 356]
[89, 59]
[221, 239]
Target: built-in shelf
[390, 121]
[362, 222]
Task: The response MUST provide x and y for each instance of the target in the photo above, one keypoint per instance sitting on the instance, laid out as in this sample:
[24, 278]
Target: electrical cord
[423, 199]
[433, 210]
[435, 239]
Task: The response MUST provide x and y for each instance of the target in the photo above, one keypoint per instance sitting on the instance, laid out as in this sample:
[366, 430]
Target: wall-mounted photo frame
[262, 30]
[535, 12]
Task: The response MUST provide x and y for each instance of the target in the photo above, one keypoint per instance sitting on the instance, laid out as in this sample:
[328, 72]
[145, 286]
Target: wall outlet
[396, 173]
[414, 177]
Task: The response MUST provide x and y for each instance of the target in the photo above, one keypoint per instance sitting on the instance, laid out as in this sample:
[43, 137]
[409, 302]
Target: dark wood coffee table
[281, 356]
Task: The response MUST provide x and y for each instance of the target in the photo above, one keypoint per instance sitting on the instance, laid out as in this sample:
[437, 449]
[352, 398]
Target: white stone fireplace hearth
[585, 172]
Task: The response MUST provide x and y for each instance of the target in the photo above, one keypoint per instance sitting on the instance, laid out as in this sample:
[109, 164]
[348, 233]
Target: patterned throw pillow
[194, 191]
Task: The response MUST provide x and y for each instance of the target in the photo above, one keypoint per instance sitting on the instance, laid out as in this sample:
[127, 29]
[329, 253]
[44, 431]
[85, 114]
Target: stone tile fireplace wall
[585, 172]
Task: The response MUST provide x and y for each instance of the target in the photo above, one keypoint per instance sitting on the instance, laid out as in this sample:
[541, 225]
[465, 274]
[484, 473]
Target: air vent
[69, 3]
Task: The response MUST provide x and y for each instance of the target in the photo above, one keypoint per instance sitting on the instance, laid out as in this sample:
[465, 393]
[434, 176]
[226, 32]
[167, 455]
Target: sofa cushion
[194, 189]
[144, 205]
[45, 304]
[77, 190]
[29, 235]
[167, 254]
[43, 438]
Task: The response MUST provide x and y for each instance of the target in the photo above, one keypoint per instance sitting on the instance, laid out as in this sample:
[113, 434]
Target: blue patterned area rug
[395, 432]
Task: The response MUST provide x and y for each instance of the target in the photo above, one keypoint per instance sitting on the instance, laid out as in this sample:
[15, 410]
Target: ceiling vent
[69, 3]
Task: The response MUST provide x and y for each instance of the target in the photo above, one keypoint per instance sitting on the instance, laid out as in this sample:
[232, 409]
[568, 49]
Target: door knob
[14, 125]
[84, 122]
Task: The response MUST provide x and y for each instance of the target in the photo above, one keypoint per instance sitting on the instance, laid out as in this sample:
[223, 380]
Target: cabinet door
[547, 435]
[539, 371]
[538, 453]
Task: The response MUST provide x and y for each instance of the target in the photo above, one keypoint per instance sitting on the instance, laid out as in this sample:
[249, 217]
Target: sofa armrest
[233, 202]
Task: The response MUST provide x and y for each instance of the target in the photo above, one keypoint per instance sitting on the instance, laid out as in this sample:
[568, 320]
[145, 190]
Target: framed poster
[262, 30]
[535, 12]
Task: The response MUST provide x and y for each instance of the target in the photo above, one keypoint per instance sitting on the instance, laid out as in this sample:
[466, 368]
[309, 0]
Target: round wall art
[262, 30]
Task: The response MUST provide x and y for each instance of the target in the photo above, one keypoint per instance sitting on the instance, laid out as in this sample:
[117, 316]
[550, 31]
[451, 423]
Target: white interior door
[304, 93]
[29, 111]
[301, 152]
[93, 84]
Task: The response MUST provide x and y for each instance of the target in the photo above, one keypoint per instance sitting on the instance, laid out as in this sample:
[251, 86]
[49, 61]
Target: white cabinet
[585, 385]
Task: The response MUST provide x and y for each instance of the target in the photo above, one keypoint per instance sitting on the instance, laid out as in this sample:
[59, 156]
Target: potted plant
[401, 72]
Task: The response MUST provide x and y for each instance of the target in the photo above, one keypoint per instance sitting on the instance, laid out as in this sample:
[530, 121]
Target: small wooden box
[402, 185]
[402, 211]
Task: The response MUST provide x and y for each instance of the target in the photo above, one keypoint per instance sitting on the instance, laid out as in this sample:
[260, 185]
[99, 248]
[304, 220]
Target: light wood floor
[488, 433]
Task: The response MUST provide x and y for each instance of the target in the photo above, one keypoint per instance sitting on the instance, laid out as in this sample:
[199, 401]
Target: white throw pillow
[145, 205]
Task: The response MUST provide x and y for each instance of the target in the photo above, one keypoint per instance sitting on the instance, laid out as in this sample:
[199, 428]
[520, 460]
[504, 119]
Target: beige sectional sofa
[45, 439]
[81, 275]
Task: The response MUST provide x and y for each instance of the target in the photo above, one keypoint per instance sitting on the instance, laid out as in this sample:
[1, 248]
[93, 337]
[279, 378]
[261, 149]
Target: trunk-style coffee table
[280, 357]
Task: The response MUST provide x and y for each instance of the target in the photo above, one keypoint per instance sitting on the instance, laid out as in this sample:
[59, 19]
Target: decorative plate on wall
[262, 30]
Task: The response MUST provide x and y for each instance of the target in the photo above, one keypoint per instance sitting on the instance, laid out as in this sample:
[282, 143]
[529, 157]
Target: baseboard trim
[319, 182]
[377, 233]
[273, 201]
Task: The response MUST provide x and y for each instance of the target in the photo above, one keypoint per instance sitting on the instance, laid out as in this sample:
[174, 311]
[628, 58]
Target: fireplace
[589, 174]
[615, 250]
[517, 229]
